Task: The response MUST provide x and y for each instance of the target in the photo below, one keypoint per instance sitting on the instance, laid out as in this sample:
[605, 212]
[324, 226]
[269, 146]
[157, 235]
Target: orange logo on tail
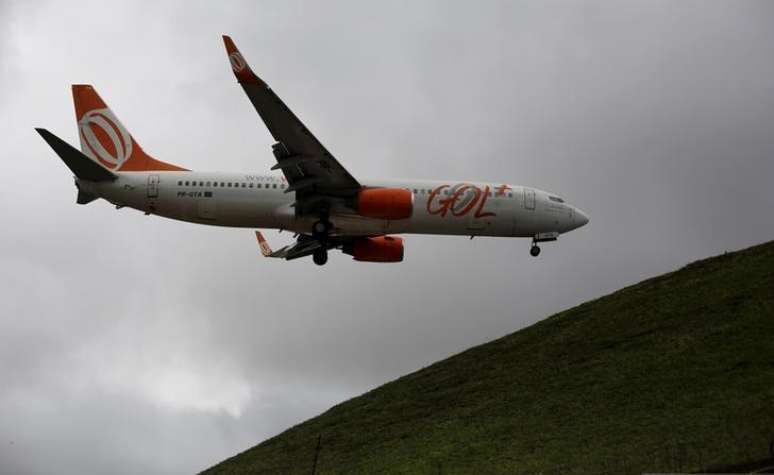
[107, 141]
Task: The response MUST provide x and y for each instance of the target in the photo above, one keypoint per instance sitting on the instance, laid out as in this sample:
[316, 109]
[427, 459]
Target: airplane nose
[581, 218]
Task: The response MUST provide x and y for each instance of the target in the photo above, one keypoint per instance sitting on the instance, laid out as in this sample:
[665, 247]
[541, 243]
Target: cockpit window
[555, 198]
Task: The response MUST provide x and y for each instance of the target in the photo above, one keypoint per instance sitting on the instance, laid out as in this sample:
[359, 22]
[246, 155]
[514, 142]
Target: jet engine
[376, 249]
[385, 203]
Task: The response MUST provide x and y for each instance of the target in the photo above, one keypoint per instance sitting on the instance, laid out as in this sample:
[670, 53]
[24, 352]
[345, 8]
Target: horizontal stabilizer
[82, 166]
[85, 198]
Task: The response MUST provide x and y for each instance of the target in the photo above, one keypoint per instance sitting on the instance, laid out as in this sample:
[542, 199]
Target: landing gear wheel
[320, 257]
[535, 250]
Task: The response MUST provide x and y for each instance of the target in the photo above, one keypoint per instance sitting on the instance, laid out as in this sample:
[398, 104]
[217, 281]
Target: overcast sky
[134, 344]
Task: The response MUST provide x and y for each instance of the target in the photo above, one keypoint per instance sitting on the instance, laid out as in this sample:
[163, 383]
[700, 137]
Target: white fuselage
[260, 201]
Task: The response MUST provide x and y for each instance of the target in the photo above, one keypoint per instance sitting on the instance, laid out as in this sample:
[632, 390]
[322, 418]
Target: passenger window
[415, 191]
[209, 184]
[251, 185]
[258, 185]
[274, 186]
[244, 185]
[201, 183]
[179, 183]
[186, 183]
[229, 184]
[215, 183]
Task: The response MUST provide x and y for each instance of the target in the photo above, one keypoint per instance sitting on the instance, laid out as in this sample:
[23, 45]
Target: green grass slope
[675, 373]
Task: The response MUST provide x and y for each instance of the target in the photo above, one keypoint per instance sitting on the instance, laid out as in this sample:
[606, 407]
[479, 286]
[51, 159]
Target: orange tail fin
[105, 140]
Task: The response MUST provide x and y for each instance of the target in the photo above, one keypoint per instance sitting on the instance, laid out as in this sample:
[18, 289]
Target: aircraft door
[153, 186]
[529, 198]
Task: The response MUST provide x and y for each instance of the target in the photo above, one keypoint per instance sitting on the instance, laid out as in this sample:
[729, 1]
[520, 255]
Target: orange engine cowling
[385, 203]
[376, 249]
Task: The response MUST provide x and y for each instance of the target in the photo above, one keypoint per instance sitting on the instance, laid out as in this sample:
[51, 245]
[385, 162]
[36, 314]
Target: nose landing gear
[534, 251]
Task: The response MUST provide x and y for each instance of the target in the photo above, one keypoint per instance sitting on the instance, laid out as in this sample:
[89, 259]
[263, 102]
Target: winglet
[241, 69]
[265, 248]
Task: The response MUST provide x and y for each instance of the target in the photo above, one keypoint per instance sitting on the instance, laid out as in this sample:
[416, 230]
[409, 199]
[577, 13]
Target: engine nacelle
[385, 203]
[376, 249]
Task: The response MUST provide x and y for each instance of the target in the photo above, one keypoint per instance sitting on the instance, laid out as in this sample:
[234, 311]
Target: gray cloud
[137, 344]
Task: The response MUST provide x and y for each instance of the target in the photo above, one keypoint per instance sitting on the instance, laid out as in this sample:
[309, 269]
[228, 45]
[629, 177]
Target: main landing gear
[320, 256]
[321, 230]
[534, 251]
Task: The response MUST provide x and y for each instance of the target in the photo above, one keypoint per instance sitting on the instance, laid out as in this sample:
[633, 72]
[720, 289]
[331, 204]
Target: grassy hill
[675, 373]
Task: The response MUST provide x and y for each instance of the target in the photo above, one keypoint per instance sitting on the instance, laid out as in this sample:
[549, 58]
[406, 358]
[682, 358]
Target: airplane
[313, 196]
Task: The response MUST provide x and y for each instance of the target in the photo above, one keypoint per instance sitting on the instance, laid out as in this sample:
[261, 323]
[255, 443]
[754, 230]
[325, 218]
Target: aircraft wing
[312, 172]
